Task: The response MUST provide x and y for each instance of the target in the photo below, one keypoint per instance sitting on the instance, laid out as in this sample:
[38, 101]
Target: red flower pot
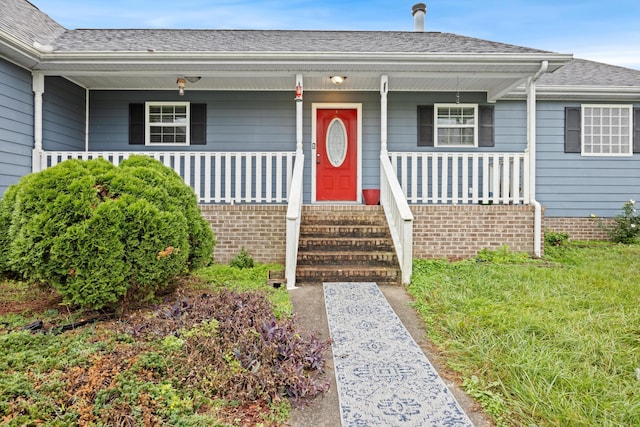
[371, 196]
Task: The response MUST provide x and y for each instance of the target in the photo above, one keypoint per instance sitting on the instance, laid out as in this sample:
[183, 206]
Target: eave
[18, 52]
[494, 74]
[580, 93]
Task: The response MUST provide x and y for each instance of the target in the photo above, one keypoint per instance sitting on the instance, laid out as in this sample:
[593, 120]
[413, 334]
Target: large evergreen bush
[100, 233]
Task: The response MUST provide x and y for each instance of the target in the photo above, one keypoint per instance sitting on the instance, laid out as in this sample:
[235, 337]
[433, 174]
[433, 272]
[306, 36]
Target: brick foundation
[461, 231]
[440, 231]
[578, 228]
[260, 229]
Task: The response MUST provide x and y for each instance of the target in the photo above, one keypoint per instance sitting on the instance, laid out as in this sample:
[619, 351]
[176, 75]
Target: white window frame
[148, 124]
[436, 127]
[628, 127]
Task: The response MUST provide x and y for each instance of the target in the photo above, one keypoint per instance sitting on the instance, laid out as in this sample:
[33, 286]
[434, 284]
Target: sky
[604, 31]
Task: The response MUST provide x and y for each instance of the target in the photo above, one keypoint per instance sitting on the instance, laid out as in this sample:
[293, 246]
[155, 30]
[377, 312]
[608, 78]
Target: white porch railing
[216, 177]
[294, 216]
[399, 217]
[462, 178]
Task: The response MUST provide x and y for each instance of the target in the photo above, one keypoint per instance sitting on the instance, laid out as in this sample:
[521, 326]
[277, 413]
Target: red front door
[336, 154]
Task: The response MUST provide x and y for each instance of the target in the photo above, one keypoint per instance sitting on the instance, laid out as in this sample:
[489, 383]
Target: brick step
[340, 258]
[319, 274]
[331, 220]
[344, 230]
[345, 244]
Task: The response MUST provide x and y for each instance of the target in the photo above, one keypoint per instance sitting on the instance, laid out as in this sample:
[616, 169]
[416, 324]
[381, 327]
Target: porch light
[337, 80]
[181, 82]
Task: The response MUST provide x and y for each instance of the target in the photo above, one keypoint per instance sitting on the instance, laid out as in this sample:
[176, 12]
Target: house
[472, 143]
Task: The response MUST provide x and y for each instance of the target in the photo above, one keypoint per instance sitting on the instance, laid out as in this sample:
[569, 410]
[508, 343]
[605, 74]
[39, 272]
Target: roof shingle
[27, 23]
[581, 72]
[137, 40]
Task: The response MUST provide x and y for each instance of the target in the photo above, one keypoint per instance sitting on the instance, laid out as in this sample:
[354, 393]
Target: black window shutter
[425, 126]
[486, 134]
[136, 124]
[636, 130]
[572, 132]
[198, 124]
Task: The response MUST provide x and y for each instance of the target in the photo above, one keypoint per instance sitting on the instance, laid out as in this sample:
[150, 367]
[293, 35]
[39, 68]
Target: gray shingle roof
[127, 40]
[27, 23]
[580, 72]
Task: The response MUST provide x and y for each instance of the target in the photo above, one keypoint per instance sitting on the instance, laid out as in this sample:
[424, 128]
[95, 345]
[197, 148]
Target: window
[485, 136]
[456, 125]
[139, 123]
[607, 130]
[167, 123]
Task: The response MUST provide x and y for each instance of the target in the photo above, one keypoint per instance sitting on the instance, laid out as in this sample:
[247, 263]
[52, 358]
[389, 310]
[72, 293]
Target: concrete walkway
[308, 303]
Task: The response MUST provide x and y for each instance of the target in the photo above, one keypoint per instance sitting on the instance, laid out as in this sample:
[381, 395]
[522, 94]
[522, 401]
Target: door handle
[317, 159]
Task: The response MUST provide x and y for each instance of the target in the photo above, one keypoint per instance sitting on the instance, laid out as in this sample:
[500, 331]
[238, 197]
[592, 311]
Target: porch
[250, 192]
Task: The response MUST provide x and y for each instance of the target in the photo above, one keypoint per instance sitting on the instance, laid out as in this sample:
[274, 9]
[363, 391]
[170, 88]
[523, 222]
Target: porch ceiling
[496, 75]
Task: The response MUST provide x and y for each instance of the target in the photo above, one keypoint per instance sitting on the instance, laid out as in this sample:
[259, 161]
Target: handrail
[399, 216]
[294, 216]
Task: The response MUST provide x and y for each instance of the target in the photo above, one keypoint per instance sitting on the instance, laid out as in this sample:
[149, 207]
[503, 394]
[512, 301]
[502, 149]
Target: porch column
[86, 121]
[531, 127]
[531, 150]
[299, 90]
[384, 89]
[38, 90]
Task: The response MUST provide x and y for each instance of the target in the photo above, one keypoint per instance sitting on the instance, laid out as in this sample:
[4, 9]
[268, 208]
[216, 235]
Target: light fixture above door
[337, 80]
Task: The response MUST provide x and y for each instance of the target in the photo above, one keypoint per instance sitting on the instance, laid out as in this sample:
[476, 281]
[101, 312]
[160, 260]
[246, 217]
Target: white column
[38, 90]
[86, 121]
[299, 84]
[531, 127]
[384, 89]
[531, 150]
[531, 136]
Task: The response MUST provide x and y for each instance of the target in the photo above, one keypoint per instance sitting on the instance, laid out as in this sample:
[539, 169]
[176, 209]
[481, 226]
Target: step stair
[346, 244]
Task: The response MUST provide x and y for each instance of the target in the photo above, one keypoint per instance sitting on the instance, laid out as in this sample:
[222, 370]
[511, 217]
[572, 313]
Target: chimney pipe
[418, 11]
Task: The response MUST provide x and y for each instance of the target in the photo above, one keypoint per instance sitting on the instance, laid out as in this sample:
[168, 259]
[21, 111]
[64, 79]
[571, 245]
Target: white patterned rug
[383, 377]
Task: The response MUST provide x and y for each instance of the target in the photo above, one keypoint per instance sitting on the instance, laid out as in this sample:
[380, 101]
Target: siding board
[63, 115]
[570, 185]
[16, 124]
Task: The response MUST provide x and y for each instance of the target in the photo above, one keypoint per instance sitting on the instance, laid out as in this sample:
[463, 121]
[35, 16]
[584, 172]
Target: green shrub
[625, 227]
[242, 260]
[555, 238]
[100, 233]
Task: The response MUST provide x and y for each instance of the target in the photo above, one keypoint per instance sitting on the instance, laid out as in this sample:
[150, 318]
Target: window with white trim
[607, 130]
[167, 123]
[456, 125]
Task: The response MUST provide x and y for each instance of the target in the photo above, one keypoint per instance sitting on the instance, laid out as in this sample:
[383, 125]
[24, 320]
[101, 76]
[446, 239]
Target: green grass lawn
[547, 343]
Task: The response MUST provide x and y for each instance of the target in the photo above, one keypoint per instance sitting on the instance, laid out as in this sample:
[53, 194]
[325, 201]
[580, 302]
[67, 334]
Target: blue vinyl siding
[236, 121]
[570, 185]
[63, 115]
[16, 124]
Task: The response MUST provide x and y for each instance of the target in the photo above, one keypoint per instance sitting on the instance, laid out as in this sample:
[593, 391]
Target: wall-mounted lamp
[181, 82]
[337, 80]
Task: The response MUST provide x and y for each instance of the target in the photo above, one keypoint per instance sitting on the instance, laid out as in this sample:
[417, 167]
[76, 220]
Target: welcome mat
[383, 377]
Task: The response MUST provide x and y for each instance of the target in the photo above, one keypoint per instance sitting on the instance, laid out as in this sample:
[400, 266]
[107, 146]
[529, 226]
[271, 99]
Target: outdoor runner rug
[383, 377]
